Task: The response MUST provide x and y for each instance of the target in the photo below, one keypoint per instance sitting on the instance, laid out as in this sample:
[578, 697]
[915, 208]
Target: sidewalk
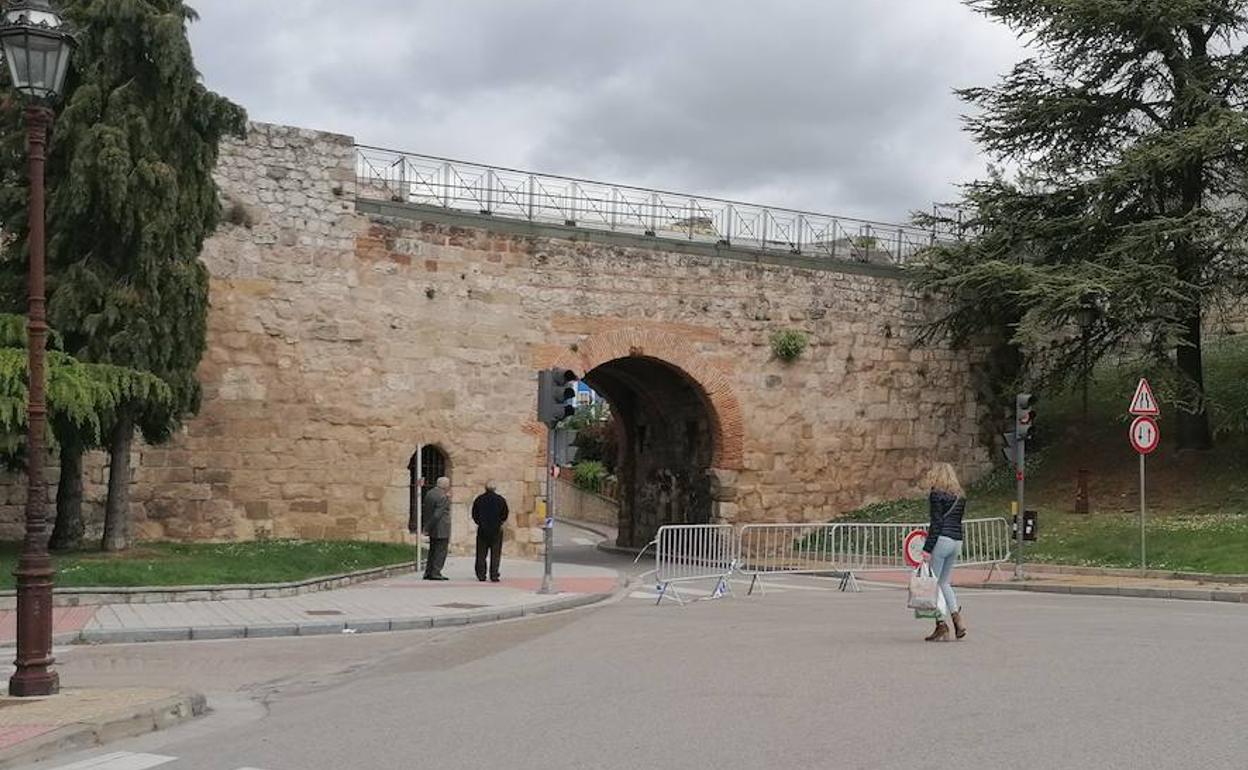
[36, 728]
[1115, 584]
[393, 604]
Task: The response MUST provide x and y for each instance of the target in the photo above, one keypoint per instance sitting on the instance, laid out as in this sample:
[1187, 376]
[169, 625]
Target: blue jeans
[944, 557]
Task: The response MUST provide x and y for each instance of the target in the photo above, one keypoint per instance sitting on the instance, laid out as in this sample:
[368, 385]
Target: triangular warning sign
[1144, 403]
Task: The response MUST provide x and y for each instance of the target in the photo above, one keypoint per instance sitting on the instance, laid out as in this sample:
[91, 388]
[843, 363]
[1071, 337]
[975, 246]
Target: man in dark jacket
[489, 511]
[437, 523]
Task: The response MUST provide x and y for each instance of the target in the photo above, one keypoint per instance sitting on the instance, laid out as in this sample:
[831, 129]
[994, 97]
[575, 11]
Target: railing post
[489, 192]
[899, 260]
[446, 185]
[801, 226]
[730, 216]
[615, 194]
[571, 220]
[692, 208]
[762, 235]
[532, 193]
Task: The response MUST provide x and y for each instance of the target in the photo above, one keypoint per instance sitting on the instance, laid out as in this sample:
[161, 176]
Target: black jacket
[489, 511]
[946, 512]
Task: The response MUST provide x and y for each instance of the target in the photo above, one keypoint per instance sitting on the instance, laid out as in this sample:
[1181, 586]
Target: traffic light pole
[548, 525]
[1020, 458]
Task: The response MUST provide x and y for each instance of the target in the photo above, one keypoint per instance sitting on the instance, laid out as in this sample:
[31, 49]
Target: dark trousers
[438, 546]
[491, 543]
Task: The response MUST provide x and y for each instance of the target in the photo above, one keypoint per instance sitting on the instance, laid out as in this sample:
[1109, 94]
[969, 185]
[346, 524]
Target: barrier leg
[991, 571]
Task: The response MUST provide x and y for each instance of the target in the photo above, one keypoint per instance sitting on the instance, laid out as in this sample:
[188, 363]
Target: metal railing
[545, 198]
[687, 552]
[851, 547]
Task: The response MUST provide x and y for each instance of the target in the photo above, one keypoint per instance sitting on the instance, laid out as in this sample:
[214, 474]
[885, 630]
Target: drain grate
[462, 606]
[323, 612]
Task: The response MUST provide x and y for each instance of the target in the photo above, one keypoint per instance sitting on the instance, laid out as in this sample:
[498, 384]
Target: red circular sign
[1144, 435]
[912, 548]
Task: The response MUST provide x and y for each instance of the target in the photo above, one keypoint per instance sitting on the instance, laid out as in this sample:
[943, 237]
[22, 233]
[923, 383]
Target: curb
[1139, 592]
[273, 630]
[95, 596]
[1203, 577]
[85, 735]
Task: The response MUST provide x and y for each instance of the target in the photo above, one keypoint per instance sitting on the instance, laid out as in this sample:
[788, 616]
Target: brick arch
[711, 383]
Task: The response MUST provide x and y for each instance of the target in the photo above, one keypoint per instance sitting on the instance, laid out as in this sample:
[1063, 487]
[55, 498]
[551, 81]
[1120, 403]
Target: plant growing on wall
[132, 199]
[789, 344]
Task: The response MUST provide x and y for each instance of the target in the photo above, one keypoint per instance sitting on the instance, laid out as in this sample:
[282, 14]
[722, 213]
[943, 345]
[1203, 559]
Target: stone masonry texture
[346, 328]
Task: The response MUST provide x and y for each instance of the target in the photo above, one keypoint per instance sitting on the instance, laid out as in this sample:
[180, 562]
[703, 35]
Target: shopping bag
[937, 613]
[924, 592]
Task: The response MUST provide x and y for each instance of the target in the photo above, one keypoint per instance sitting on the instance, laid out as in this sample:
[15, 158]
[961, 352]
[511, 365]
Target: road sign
[1143, 402]
[913, 550]
[1144, 435]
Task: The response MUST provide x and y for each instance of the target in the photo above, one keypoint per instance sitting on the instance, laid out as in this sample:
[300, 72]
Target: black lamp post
[37, 46]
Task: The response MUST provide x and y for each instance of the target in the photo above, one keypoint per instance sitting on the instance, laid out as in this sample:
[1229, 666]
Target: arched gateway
[681, 427]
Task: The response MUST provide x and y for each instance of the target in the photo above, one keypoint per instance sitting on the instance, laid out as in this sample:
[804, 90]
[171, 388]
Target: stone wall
[576, 504]
[342, 333]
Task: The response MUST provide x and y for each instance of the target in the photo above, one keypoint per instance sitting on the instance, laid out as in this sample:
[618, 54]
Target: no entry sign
[1144, 435]
[913, 549]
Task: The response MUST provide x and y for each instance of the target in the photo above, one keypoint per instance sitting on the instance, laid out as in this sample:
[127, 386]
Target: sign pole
[420, 502]
[1143, 559]
[548, 537]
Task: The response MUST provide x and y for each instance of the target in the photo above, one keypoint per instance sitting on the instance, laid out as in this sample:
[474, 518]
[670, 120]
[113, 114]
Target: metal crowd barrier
[786, 549]
[850, 547]
[687, 552]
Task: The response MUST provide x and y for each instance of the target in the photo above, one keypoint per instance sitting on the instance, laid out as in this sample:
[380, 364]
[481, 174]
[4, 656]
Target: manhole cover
[462, 606]
[323, 612]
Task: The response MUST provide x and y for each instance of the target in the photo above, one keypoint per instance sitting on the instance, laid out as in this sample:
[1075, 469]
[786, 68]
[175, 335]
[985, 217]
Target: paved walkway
[32, 728]
[393, 604]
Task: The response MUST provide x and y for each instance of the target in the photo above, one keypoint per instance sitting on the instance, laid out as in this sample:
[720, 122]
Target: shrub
[788, 344]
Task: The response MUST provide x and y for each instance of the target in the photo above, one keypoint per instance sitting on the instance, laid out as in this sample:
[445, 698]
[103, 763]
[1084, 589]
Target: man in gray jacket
[437, 521]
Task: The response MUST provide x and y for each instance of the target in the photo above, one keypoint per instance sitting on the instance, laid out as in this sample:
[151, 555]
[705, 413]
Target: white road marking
[120, 760]
[582, 541]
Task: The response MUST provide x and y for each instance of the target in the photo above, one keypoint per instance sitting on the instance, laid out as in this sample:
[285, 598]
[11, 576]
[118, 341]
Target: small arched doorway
[426, 465]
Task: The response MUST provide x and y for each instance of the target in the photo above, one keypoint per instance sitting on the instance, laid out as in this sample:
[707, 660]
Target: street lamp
[36, 44]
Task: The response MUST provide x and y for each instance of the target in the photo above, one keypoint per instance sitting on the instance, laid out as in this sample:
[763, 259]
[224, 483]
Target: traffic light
[554, 391]
[1024, 416]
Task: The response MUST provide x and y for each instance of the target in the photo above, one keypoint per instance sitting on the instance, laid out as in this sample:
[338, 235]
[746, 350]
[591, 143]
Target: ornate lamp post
[37, 46]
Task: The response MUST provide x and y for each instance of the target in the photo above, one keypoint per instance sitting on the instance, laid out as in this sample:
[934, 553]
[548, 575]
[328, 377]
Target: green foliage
[131, 195]
[1129, 129]
[589, 474]
[789, 344]
[83, 399]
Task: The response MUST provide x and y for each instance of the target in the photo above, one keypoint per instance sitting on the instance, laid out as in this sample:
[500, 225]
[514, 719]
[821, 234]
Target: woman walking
[947, 503]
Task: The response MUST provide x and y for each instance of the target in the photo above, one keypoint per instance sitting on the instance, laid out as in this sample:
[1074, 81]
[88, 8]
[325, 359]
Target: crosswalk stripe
[120, 760]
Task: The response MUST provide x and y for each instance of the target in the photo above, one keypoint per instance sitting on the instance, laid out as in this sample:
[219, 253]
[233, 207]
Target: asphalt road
[800, 678]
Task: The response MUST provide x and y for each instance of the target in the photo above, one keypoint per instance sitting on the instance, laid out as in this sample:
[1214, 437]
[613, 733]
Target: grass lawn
[178, 564]
[1197, 501]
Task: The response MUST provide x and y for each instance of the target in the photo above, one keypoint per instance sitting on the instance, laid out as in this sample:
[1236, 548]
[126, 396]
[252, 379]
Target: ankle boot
[940, 634]
[959, 628]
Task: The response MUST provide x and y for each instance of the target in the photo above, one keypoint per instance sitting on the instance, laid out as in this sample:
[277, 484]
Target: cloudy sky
[839, 106]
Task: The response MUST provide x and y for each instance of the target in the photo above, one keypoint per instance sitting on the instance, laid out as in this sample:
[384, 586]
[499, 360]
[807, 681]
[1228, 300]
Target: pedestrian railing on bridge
[545, 198]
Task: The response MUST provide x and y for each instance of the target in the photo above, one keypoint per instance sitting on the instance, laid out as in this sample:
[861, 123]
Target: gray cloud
[842, 106]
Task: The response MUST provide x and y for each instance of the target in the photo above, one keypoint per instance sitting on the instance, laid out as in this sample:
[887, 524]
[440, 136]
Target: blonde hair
[942, 476]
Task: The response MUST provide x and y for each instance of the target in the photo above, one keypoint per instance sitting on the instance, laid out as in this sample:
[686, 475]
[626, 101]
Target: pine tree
[131, 201]
[1127, 218]
[84, 401]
